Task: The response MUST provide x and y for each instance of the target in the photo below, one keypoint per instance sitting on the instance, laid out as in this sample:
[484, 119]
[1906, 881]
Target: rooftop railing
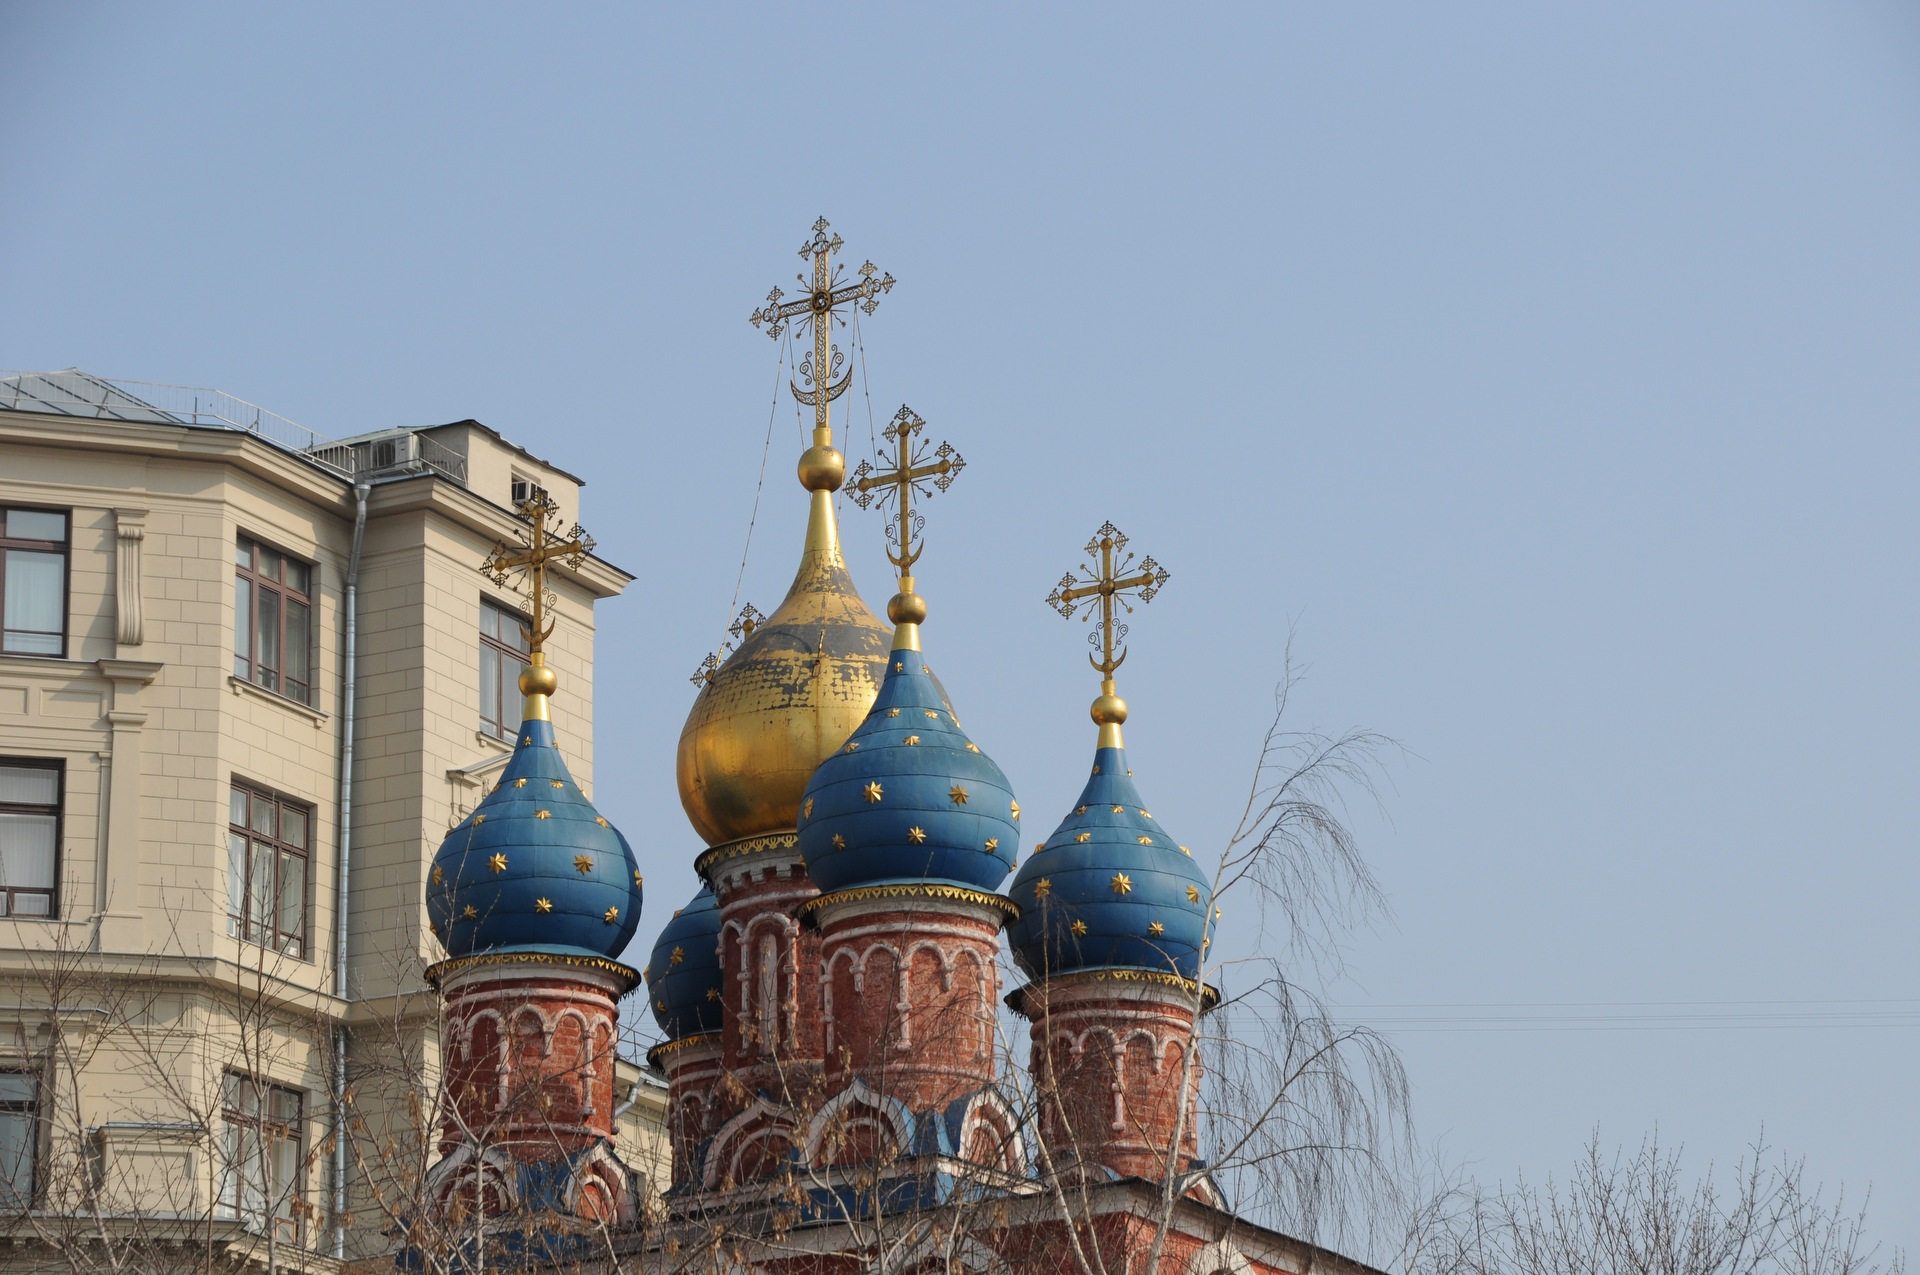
[75, 393]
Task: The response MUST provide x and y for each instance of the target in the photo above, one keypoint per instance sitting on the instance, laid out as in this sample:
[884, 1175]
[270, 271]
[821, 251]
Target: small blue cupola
[683, 974]
[909, 798]
[534, 868]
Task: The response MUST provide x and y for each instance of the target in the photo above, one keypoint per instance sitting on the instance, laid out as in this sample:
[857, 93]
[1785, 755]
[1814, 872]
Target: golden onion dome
[794, 690]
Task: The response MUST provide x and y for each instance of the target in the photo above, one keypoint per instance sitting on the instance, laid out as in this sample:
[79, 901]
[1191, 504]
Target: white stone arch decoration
[1222, 1257]
[758, 1122]
[464, 1032]
[889, 1113]
[600, 1163]
[990, 1109]
[492, 1167]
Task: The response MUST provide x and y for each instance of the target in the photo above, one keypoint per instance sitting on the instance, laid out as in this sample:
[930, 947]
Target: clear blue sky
[1552, 367]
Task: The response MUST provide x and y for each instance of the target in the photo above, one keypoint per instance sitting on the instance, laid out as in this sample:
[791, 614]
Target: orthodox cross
[544, 542]
[913, 467]
[826, 292]
[742, 627]
[1110, 582]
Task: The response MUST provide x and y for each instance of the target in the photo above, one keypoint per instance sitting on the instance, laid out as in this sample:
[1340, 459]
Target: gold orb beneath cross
[1109, 710]
[822, 469]
[907, 608]
[538, 679]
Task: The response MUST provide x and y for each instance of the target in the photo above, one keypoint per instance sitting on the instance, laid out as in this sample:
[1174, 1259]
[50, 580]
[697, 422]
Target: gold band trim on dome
[745, 846]
[944, 893]
[438, 971]
[668, 1047]
[1209, 994]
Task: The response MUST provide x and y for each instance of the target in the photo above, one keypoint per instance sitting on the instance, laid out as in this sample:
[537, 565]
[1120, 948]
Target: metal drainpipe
[344, 859]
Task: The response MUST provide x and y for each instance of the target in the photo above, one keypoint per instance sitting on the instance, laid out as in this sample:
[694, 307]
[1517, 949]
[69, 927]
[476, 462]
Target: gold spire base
[537, 683]
[1109, 711]
[907, 610]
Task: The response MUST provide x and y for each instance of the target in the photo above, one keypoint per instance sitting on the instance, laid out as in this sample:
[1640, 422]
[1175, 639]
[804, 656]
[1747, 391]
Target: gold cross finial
[1111, 582]
[743, 626]
[814, 313]
[541, 542]
[913, 466]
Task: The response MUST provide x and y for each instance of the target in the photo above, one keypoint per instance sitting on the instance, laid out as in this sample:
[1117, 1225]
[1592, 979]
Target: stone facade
[150, 728]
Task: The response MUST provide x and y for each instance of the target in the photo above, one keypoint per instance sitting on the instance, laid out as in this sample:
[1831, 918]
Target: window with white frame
[33, 581]
[29, 837]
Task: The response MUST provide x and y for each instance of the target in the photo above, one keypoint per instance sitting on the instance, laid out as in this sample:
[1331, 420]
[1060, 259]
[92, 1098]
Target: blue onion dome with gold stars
[1110, 889]
[534, 868]
[683, 974]
[909, 798]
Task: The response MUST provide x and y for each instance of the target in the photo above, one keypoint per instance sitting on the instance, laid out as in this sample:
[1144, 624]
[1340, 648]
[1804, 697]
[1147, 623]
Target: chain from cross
[913, 467]
[815, 312]
[1110, 583]
[545, 542]
[742, 628]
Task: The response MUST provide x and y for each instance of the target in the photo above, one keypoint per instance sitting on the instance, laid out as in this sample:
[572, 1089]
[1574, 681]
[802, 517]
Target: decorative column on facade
[121, 924]
[534, 895]
[129, 530]
[1115, 919]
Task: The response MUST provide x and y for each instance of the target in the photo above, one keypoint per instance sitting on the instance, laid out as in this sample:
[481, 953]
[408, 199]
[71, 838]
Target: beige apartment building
[193, 912]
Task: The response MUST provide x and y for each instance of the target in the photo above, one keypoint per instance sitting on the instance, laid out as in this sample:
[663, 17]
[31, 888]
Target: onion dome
[1110, 889]
[683, 976]
[909, 797]
[535, 868]
[792, 692]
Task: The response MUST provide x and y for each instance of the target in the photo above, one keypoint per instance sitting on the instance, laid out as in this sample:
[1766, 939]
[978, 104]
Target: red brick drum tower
[1115, 920]
[534, 896]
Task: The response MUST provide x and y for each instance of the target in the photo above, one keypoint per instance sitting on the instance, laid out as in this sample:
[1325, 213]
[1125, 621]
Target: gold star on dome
[873, 791]
[806, 811]
[543, 814]
[1016, 812]
[1217, 914]
[433, 928]
[559, 783]
[660, 1003]
[1193, 894]
[916, 834]
[676, 956]
[853, 747]
[1080, 927]
[520, 783]
[1119, 809]
[839, 842]
[611, 915]
[1155, 929]
[993, 843]
[478, 820]
[1084, 836]
[1145, 815]
[1121, 883]
[1187, 852]
[543, 905]
[957, 795]
[972, 747]
[439, 874]
[498, 863]
[469, 912]
[602, 821]
[1096, 768]
[1144, 840]
[526, 739]
[935, 716]
[913, 741]
[1042, 888]
[713, 993]
[638, 882]
[898, 667]
[1081, 811]
[893, 712]
[582, 864]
